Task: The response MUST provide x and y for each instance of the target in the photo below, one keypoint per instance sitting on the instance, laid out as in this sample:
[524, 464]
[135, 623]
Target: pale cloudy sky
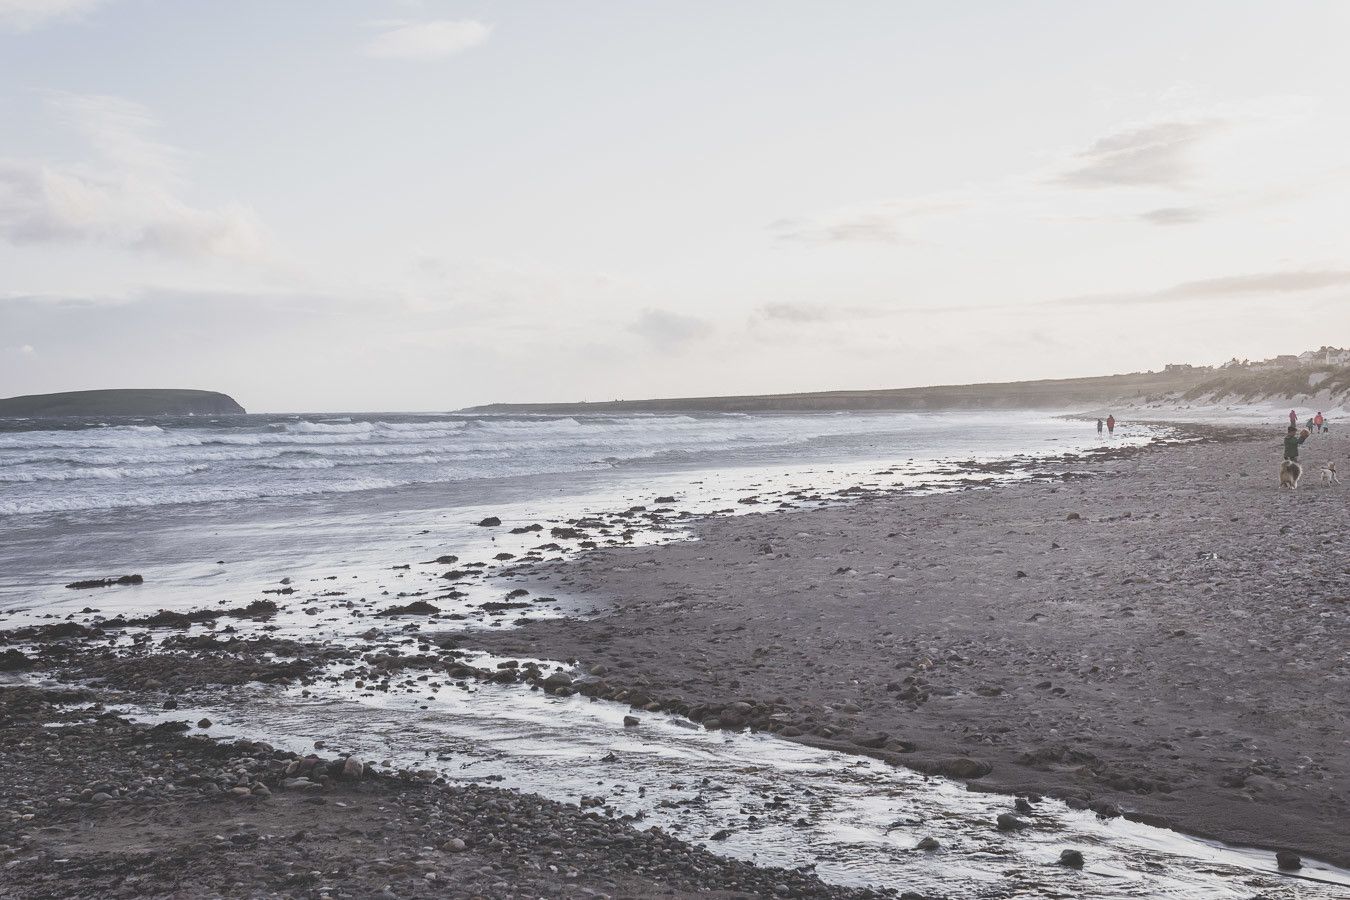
[375, 204]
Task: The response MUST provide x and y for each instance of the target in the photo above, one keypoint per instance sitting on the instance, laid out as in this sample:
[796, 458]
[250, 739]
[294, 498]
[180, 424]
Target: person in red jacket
[1293, 419]
[1111, 425]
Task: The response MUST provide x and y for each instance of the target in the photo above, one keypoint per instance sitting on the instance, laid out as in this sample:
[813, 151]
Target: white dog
[1329, 475]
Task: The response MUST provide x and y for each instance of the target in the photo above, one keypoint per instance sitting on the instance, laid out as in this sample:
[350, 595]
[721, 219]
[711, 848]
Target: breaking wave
[109, 465]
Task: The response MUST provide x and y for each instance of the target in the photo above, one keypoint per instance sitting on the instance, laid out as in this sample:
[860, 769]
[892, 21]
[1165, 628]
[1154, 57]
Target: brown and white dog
[1290, 473]
[1329, 475]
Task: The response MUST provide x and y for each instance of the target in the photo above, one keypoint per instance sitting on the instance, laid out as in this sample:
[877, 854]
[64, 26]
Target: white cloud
[1261, 284]
[1154, 155]
[26, 15]
[428, 40]
[1174, 215]
[670, 330]
[127, 195]
[882, 222]
[813, 313]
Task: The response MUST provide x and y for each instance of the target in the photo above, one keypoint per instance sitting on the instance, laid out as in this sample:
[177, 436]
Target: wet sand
[1166, 638]
[97, 806]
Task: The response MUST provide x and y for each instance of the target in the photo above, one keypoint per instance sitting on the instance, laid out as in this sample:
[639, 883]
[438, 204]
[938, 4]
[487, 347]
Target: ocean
[215, 509]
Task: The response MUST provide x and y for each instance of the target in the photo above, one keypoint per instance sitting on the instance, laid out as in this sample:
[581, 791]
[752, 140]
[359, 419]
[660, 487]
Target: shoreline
[646, 641]
[1187, 782]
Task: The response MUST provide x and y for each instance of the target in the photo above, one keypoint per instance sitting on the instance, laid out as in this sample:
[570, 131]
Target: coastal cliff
[131, 402]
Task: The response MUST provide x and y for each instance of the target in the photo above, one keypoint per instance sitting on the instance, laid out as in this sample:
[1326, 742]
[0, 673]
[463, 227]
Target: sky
[355, 205]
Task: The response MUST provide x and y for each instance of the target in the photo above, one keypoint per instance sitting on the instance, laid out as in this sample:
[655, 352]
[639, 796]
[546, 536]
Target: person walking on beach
[1111, 425]
[1293, 419]
[1292, 440]
[1319, 421]
[1099, 428]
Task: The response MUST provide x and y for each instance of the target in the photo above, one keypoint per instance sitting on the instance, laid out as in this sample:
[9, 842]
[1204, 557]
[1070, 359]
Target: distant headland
[129, 402]
[1316, 375]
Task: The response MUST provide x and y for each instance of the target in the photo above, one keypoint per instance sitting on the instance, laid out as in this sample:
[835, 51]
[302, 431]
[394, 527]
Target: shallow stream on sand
[756, 797]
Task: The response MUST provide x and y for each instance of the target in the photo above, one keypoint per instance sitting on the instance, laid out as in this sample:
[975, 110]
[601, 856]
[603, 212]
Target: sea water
[207, 509]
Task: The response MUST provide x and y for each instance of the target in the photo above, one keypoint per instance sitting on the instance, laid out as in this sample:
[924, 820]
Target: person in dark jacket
[1292, 441]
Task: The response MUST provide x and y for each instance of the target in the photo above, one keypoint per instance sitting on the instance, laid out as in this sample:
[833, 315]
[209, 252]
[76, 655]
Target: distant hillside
[1248, 386]
[1049, 394]
[133, 402]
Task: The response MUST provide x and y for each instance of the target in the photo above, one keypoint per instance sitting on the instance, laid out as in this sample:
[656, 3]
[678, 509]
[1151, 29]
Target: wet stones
[14, 661]
[1105, 809]
[928, 845]
[557, 680]
[1072, 859]
[1010, 822]
[1288, 861]
[490, 522]
[497, 606]
[958, 767]
[416, 608]
[87, 583]
[734, 715]
[258, 610]
[301, 784]
[631, 721]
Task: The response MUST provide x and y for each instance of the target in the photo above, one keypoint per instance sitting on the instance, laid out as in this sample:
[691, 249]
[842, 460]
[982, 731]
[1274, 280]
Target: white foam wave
[301, 463]
[330, 427]
[20, 476]
[83, 502]
[53, 470]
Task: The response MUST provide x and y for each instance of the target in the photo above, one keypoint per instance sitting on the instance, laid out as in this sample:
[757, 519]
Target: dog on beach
[1329, 475]
[1290, 473]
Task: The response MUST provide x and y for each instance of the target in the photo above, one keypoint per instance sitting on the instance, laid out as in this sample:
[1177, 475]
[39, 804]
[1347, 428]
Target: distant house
[1336, 357]
[1287, 361]
[1178, 367]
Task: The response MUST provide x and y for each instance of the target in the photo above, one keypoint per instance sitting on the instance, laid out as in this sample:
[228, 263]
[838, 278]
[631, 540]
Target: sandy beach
[1164, 639]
